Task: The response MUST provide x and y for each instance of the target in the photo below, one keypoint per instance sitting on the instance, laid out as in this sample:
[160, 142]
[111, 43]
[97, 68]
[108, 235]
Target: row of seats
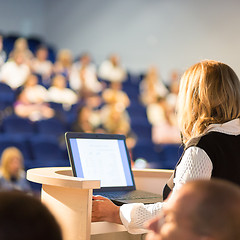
[23, 126]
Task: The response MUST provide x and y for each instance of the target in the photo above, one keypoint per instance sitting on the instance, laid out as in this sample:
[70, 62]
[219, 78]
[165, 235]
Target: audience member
[199, 210]
[115, 119]
[63, 64]
[111, 69]
[152, 87]
[35, 93]
[12, 174]
[3, 55]
[162, 117]
[115, 95]
[83, 77]
[88, 120]
[59, 93]
[208, 113]
[173, 89]
[21, 45]
[41, 65]
[34, 111]
[15, 72]
[24, 217]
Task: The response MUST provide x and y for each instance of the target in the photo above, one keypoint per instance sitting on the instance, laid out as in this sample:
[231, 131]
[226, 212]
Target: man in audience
[207, 210]
[23, 217]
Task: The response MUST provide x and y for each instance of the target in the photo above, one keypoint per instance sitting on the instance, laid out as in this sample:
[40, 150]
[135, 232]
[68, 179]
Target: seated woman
[152, 87]
[21, 45]
[163, 119]
[35, 92]
[12, 175]
[63, 63]
[41, 65]
[34, 111]
[59, 93]
[111, 69]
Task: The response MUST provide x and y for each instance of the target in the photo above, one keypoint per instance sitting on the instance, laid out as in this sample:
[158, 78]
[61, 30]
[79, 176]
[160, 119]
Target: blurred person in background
[207, 210]
[163, 119]
[63, 64]
[83, 78]
[35, 111]
[14, 72]
[41, 65]
[3, 55]
[111, 69]
[21, 45]
[59, 93]
[152, 87]
[12, 174]
[35, 92]
[24, 217]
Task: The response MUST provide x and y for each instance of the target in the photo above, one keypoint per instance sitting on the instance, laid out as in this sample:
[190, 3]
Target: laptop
[105, 157]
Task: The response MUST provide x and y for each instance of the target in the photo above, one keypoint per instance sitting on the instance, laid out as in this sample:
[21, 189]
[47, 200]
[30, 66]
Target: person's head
[201, 210]
[59, 81]
[23, 217]
[114, 59]
[32, 80]
[11, 162]
[65, 57]
[85, 59]
[21, 44]
[18, 57]
[209, 94]
[42, 53]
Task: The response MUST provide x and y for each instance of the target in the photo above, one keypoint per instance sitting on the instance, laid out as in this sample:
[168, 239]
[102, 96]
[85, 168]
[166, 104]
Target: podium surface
[68, 198]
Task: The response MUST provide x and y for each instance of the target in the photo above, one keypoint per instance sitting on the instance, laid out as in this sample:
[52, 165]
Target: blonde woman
[208, 113]
[12, 175]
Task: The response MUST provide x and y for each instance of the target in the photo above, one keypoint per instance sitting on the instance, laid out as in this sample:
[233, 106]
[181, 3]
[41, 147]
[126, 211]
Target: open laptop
[105, 157]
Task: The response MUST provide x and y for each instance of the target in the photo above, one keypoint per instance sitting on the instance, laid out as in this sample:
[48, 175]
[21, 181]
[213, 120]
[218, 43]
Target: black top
[224, 152]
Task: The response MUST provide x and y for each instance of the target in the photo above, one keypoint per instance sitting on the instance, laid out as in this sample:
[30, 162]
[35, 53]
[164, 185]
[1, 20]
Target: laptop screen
[100, 157]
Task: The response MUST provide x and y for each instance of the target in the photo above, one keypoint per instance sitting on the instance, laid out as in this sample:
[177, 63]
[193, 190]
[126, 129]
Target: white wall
[170, 34]
[24, 16]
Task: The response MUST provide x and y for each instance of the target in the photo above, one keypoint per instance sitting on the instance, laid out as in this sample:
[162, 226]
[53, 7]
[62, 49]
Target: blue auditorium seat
[146, 150]
[18, 141]
[142, 129]
[170, 153]
[51, 126]
[17, 125]
[7, 94]
[46, 149]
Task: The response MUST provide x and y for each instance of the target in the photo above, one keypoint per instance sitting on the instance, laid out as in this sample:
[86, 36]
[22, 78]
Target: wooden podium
[68, 198]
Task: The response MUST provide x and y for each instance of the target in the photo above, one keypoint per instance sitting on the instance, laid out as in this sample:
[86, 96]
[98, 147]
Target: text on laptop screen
[102, 159]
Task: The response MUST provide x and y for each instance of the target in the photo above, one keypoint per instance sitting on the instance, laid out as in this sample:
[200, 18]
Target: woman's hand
[104, 209]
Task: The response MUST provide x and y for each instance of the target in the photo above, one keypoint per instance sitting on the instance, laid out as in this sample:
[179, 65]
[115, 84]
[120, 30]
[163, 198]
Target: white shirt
[14, 75]
[111, 73]
[195, 164]
[92, 82]
[64, 96]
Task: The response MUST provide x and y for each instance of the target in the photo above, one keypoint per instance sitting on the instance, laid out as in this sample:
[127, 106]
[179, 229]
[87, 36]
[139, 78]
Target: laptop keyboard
[122, 195]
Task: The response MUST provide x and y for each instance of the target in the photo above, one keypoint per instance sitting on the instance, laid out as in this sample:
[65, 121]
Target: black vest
[224, 152]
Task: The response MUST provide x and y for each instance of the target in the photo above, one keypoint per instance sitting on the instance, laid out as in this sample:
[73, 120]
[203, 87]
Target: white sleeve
[195, 164]
[134, 215]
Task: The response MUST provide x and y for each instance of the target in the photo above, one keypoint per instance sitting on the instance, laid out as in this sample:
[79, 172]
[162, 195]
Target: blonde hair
[209, 94]
[65, 57]
[7, 155]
